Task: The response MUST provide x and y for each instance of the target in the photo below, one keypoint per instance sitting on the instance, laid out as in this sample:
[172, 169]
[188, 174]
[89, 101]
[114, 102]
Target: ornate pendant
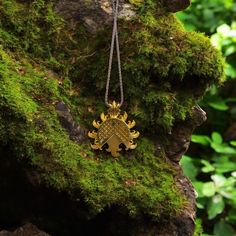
[114, 130]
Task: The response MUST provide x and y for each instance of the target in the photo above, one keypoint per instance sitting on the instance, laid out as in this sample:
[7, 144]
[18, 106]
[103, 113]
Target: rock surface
[53, 78]
[80, 10]
[177, 5]
[25, 230]
[77, 133]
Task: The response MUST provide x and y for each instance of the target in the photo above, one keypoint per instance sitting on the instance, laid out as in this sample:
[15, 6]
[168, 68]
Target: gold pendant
[114, 130]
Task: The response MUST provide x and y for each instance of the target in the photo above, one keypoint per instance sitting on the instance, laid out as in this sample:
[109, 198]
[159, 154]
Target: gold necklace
[114, 129]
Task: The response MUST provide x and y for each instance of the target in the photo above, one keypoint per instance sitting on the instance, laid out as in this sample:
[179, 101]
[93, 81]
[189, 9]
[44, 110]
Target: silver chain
[115, 37]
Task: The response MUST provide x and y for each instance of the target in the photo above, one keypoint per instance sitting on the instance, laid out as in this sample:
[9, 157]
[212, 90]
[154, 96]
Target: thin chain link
[115, 37]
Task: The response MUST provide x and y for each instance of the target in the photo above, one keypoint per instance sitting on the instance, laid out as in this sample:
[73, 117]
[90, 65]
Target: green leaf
[215, 206]
[217, 102]
[200, 206]
[223, 29]
[216, 138]
[228, 188]
[216, 40]
[228, 193]
[230, 50]
[219, 180]
[230, 71]
[232, 34]
[213, 90]
[198, 185]
[188, 167]
[221, 228]
[225, 167]
[182, 16]
[219, 105]
[208, 167]
[201, 139]
[233, 143]
[208, 189]
[223, 148]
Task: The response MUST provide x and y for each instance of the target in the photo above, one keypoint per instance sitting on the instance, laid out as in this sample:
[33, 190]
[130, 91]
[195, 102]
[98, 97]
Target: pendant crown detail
[114, 130]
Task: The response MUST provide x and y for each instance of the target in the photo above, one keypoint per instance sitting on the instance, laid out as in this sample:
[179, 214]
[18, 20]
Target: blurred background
[211, 160]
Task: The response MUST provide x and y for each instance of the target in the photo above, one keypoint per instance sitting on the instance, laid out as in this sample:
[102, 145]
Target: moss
[142, 185]
[156, 55]
[12, 95]
[198, 228]
[136, 2]
[161, 63]
[32, 28]
[164, 67]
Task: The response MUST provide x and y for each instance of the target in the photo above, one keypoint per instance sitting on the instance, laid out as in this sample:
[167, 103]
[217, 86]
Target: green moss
[12, 92]
[141, 185]
[198, 228]
[161, 63]
[32, 28]
[156, 56]
[166, 70]
[136, 2]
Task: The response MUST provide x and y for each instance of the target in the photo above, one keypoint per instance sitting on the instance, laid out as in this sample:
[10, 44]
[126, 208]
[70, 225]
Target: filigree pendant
[113, 131]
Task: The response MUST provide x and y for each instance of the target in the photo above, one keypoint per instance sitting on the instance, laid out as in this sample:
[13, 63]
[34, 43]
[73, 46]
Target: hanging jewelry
[114, 129]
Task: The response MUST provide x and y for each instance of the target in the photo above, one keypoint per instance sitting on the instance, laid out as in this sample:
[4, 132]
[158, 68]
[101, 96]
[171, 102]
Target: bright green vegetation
[206, 16]
[165, 69]
[217, 190]
[212, 160]
[42, 61]
[28, 119]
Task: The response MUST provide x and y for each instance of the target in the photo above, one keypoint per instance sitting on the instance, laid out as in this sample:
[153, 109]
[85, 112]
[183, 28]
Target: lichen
[42, 61]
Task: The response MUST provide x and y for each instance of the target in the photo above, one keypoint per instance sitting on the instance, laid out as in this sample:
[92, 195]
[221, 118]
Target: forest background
[211, 161]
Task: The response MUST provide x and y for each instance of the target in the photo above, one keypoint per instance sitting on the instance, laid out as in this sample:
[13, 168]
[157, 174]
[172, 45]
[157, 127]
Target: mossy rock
[139, 181]
[44, 61]
[165, 69]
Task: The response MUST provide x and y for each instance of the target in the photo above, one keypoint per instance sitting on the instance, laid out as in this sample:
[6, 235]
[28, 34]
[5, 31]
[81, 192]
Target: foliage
[206, 16]
[212, 164]
[212, 168]
[213, 174]
[225, 40]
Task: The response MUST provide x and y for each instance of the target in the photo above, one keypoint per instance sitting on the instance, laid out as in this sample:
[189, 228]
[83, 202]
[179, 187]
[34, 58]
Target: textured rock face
[26, 230]
[176, 5]
[81, 10]
[76, 132]
[53, 76]
[98, 13]
[181, 136]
